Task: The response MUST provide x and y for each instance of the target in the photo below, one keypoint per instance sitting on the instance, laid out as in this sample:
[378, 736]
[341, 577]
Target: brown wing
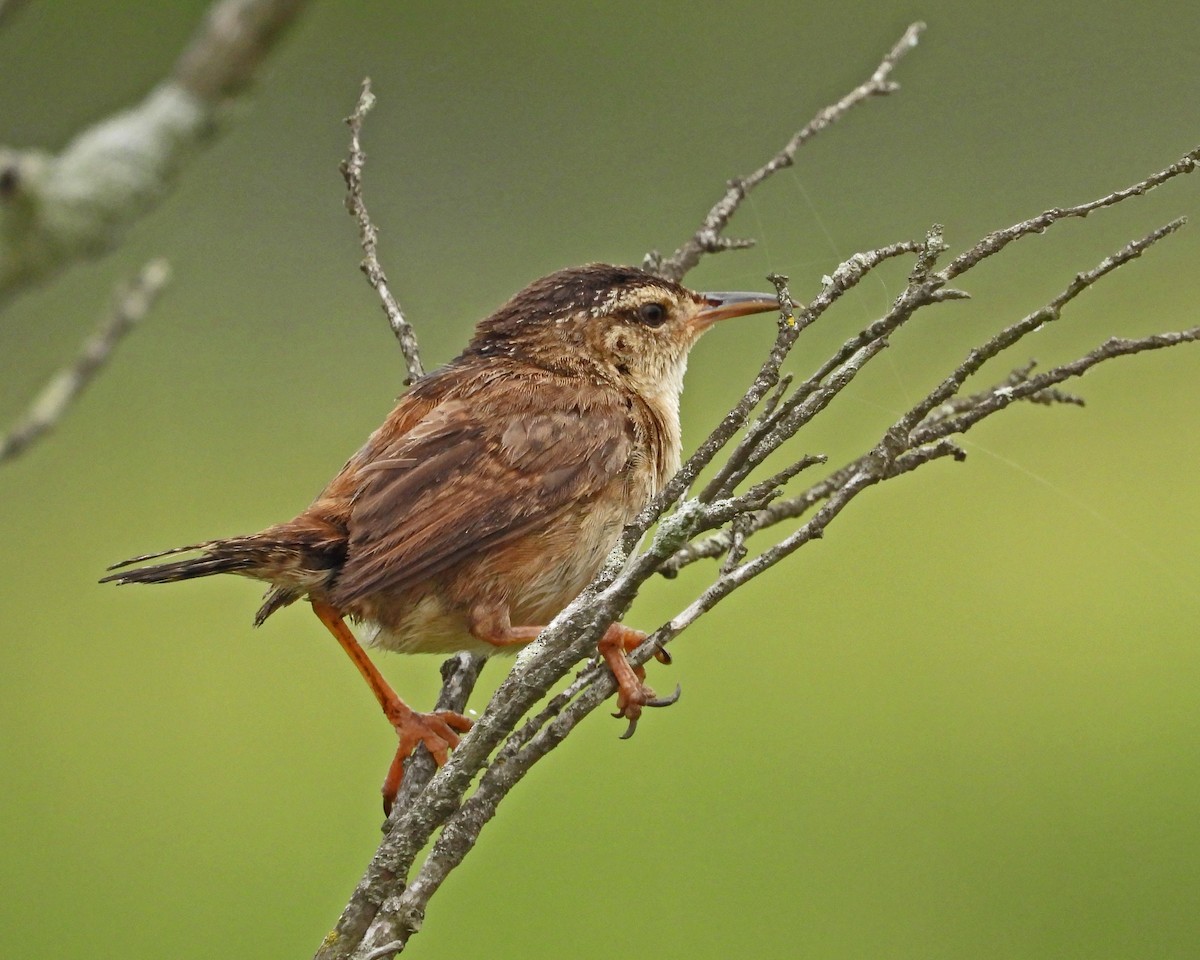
[460, 481]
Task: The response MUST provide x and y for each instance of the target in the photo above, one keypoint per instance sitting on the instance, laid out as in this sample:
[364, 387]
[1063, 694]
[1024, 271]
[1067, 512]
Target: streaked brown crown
[592, 290]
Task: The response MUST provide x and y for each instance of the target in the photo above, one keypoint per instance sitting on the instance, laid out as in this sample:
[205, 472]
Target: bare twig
[576, 629]
[1009, 336]
[352, 170]
[883, 462]
[57, 209]
[1002, 396]
[814, 394]
[130, 305]
[708, 237]
[943, 413]
[993, 243]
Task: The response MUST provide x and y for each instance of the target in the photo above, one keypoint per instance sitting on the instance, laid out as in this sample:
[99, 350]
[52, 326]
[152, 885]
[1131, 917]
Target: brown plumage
[495, 489]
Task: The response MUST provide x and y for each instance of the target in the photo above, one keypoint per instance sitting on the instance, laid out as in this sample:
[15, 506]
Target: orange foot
[632, 692]
[438, 731]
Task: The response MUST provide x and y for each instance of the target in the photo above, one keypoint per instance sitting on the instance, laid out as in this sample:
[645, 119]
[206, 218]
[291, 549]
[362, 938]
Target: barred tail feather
[294, 557]
[236, 555]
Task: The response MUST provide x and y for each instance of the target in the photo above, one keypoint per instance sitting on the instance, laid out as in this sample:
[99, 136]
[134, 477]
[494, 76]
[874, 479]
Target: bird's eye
[652, 314]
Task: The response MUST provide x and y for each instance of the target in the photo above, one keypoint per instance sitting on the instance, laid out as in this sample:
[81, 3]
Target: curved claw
[661, 655]
[635, 713]
[665, 701]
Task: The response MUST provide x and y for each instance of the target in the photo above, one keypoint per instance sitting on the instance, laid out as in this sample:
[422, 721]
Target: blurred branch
[352, 171]
[56, 209]
[523, 722]
[227, 50]
[8, 8]
[130, 305]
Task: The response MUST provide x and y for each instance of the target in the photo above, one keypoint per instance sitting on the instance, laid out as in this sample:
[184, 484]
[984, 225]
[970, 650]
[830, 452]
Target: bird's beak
[722, 306]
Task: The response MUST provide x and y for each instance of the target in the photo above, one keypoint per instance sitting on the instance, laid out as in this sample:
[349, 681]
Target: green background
[966, 724]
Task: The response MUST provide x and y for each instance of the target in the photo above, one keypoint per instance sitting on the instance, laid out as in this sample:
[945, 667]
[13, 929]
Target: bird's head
[619, 324]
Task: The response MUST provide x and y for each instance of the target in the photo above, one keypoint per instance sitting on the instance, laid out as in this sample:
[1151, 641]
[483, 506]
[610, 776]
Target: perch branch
[540, 666]
[520, 725]
[882, 462]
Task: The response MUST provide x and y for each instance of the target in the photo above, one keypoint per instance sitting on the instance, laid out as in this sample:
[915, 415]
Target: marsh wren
[494, 491]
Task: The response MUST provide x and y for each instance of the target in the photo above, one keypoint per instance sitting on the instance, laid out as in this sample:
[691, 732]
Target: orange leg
[491, 625]
[438, 731]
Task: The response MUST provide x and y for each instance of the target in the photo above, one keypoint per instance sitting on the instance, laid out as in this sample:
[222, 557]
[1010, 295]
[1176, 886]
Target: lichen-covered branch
[58, 208]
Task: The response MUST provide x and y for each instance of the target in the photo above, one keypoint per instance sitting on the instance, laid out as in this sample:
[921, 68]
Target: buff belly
[431, 620]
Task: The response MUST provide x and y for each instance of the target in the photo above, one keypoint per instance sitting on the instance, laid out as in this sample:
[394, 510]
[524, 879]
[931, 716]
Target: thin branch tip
[366, 100]
[707, 238]
[352, 173]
